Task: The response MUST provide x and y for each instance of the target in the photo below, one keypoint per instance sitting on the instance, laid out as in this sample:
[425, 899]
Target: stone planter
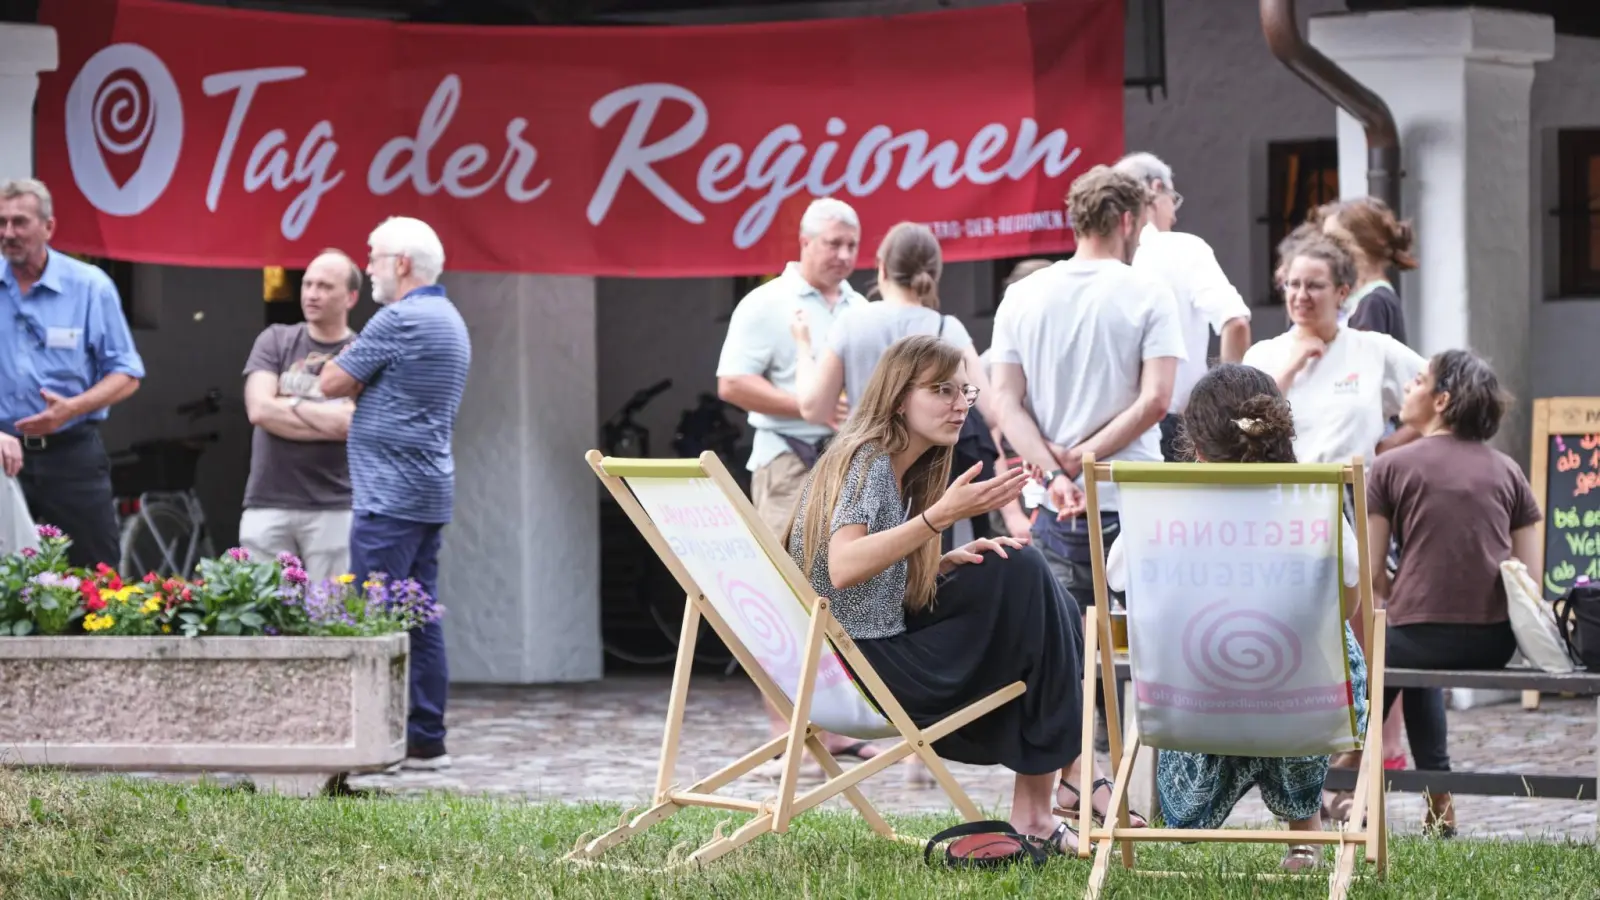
[289, 712]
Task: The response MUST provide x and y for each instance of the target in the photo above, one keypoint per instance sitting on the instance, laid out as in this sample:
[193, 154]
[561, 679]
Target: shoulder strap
[940, 332]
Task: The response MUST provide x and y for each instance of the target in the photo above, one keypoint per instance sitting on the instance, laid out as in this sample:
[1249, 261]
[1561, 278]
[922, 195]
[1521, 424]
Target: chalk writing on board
[1572, 514]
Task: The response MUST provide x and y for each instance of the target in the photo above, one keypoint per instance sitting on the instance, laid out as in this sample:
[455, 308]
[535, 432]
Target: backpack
[1578, 616]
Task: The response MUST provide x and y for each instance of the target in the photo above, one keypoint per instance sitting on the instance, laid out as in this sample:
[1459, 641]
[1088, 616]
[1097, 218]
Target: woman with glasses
[944, 630]
[1344, 384]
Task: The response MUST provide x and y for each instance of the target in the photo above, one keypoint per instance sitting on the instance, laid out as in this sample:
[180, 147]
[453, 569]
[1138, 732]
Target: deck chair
[1233, 661]
[740, 580]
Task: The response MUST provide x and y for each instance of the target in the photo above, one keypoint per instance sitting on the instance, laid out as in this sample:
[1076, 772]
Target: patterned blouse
[871, 497]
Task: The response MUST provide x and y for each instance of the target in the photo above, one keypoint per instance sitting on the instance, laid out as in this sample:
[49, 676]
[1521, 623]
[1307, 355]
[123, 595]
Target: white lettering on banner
[465, 162]
[777, 167]
[774, 161]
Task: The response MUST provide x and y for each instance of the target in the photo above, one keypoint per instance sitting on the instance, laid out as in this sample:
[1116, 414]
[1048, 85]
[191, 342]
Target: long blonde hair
[911, 362]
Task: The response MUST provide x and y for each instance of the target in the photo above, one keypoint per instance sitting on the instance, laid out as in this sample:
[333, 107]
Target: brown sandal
[1135, 820]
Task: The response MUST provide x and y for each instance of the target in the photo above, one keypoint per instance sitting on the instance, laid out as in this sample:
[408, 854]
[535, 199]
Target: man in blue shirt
[66, 356]
[408, 370]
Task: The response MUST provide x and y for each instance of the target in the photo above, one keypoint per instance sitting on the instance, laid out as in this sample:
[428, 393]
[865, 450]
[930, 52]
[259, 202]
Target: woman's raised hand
[966, 498]
[973, 552]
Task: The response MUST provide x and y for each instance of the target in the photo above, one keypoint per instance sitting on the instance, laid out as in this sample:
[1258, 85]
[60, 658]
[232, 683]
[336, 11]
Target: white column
[25, 51]
[1458, 82]
[520, 570]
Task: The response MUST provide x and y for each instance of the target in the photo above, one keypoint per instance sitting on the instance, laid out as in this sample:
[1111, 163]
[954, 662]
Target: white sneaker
[426, 763]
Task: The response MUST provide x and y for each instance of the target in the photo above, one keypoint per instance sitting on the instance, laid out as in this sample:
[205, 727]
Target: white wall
[1564, 331]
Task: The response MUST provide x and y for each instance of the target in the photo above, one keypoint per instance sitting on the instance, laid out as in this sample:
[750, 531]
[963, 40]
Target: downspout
[1383, 140]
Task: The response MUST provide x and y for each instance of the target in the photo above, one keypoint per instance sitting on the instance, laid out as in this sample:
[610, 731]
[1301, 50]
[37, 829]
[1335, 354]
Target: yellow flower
[346, 578]
[151, 605]
[95, 622]
[369, 585]
[166, 629]
[128, 592]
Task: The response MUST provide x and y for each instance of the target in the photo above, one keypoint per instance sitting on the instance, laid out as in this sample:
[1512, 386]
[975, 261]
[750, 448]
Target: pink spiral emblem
[770, 638]
[1240, 650]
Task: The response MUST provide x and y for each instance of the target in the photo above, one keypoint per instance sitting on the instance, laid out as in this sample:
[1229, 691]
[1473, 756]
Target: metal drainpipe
[1383, 140]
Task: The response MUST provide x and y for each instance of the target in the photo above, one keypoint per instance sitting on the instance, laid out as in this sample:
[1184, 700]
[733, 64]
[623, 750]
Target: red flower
[151, 578]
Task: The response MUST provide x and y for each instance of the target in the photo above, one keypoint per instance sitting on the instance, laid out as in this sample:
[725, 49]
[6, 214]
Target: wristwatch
[1051, 476]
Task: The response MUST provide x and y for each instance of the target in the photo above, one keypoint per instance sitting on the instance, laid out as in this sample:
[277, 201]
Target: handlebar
[208, 405]
[640, 399]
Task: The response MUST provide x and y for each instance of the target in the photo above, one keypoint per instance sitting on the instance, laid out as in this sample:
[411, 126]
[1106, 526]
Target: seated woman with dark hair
[945, 630]
[1237, 415]
[1460, 508]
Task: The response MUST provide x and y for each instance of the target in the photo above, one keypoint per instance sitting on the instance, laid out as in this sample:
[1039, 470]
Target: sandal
[854, 750]
[1135, 820]
[1051, 846]
[1300, 858]
[985, 845]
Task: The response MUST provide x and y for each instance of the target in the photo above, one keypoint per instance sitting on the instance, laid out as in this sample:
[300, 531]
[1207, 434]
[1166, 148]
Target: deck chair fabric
[1238, 629]
[741, 581]
[1237, 625]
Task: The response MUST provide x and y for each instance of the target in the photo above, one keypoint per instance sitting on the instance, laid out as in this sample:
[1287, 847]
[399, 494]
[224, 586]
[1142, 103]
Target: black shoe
[426, 757]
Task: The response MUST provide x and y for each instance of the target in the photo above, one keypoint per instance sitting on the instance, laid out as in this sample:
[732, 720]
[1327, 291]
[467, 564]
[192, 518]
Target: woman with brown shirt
[1460, 509]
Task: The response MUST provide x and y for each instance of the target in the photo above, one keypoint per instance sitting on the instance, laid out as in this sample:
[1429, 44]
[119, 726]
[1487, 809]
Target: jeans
[402, 549]
[1440, 646]
[68, 485]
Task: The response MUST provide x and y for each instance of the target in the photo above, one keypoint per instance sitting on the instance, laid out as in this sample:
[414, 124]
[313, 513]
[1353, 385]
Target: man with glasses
[66, 356]
[1207, 301]
[407, 370]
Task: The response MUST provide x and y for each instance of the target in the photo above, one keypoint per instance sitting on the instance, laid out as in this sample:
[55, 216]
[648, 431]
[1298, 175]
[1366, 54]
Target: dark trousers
[1169, 438]
[1440, 646]
[68, 484]
[401, 549]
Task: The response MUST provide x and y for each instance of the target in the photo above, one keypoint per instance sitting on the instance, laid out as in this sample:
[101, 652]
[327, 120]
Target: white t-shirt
[1081, 330]
[1117, 561]
[1207, 300]
[1342, 401]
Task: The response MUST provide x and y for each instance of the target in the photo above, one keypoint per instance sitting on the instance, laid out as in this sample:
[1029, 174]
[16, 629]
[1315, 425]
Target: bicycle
[163, 525]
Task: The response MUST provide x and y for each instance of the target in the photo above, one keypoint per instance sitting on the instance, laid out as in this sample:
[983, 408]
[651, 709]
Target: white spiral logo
[123, 105]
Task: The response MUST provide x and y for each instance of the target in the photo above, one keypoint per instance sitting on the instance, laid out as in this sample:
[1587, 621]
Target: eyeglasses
[1310, 287]
[1177, 200]
[948, 392]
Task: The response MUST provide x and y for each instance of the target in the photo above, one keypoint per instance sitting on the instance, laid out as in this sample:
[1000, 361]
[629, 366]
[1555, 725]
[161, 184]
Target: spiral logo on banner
[769, 635]
[1240, 649]
[124, 129]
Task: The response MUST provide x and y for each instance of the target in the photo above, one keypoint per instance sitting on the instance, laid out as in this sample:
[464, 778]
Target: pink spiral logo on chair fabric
[771, 640]
[1240, 649]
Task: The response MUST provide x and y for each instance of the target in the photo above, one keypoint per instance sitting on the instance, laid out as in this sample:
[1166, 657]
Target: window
[1578, 211]
[1301, 176]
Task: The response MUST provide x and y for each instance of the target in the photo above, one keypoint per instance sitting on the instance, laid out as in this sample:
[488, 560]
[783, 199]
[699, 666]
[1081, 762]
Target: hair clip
[1247, 425]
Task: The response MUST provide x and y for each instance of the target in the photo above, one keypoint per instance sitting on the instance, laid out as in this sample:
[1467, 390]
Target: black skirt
[993, 623]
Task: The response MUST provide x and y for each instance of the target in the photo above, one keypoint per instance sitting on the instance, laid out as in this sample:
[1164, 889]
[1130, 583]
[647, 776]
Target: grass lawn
[70, 837]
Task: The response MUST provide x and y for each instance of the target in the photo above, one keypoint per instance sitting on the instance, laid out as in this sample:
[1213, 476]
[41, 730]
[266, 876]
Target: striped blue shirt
[64, 335]
[413, 358]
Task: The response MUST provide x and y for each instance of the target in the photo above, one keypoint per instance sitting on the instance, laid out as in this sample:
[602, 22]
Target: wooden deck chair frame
[1367, 825]
[774, 813]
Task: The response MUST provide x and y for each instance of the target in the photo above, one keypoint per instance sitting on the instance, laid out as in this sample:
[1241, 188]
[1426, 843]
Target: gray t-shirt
[861, 334]
[871, 497]
[287, 474]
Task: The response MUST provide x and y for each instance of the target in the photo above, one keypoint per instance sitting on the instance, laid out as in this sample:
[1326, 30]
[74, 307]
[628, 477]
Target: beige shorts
[774, 491]
[321, 538]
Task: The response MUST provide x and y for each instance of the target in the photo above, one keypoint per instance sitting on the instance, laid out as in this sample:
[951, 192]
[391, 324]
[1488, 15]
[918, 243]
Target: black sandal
[1135, 820]
[985, 845]
[1051, 846]
[854, 750]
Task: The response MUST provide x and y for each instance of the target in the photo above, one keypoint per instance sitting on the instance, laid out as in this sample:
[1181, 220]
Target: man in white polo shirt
[1207, 301]
[757, 370]
[757, 374]
[1084, 356]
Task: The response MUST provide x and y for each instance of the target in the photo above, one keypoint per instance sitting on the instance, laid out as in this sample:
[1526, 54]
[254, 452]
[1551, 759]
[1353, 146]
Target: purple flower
[29, 553]
[269, 630]
[239, 554]
[49, 531]
[293, 573]
[52, 579]
[289, 561]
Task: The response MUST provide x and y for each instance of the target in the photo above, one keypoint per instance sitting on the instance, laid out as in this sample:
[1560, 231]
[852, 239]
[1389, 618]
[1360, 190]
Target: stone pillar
[1458, 82]
[25, 51]
[520, 570]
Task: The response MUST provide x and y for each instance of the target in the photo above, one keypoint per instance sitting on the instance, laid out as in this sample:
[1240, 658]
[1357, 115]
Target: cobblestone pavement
[601, 741]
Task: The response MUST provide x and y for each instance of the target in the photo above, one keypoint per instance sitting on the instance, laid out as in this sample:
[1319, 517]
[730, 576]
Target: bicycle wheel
[155, 539]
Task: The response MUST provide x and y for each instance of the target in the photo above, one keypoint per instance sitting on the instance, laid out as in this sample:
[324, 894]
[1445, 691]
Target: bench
[1497, 784]
[1494, 784]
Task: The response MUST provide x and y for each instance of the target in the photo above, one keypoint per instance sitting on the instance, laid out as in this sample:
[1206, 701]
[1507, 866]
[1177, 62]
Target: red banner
[194, 135]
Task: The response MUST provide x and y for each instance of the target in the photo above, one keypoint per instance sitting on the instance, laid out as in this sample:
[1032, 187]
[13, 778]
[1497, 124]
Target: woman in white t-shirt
[1343, 384]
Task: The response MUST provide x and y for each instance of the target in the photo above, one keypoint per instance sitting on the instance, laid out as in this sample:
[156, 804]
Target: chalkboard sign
[1565, 475]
